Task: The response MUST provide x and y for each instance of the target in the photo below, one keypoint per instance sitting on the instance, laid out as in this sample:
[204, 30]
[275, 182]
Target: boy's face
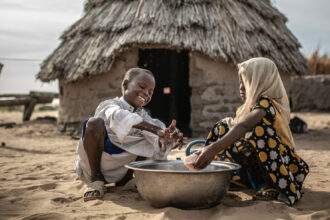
[138, 91]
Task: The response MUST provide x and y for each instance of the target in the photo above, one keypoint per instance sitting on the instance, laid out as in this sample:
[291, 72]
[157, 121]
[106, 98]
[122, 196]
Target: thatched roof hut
[226, 31]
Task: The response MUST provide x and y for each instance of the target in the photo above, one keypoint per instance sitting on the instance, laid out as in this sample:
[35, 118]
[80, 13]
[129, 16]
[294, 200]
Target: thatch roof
[228, 30]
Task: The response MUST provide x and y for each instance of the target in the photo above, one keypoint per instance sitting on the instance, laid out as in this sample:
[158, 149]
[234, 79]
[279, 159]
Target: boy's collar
[130, 108]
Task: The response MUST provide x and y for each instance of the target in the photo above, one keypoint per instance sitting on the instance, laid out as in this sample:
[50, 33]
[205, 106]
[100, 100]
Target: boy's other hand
[162, 144]
[168, 133]
[171, 134]
[180, 141]
[176, 135]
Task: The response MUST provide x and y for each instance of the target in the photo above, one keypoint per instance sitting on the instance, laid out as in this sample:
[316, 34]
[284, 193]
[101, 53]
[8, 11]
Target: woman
[259, 137]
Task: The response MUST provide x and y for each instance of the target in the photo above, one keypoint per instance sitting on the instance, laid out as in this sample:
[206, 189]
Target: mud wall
[310, 93]
[215, 93]
[79, 100]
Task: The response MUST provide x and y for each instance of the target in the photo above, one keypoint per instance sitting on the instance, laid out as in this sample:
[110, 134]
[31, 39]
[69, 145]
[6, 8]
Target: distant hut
[192, 47]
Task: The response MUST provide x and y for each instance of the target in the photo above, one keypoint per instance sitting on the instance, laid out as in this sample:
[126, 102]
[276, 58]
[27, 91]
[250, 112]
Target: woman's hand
[205, 157]
[234, 134]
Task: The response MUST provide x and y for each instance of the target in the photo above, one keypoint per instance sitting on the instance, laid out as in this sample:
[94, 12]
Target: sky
[30, 31]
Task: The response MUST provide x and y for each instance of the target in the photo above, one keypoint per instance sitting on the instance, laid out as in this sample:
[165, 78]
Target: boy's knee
[95, 125]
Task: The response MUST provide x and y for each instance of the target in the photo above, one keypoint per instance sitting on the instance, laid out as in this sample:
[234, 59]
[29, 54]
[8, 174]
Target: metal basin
[170, 183]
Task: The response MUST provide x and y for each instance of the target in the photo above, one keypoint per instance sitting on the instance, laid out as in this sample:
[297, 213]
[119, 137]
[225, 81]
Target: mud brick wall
[215, 93]
[79, 100]
[310, 93]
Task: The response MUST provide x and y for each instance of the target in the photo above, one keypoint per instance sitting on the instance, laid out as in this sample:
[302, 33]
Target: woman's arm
[236, 132]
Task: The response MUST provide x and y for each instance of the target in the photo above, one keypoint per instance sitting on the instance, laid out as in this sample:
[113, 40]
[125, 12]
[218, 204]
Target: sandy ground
[37, 180]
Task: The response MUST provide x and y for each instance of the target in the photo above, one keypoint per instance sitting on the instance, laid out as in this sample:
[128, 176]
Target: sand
[37, 180]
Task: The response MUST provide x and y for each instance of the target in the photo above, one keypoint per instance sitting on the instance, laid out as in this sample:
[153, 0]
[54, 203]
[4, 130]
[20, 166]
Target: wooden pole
[16, 101]
[28, 109]
[29, 101]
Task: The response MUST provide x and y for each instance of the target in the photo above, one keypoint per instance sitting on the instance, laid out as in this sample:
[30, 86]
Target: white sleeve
[121, 121]
[153, 121]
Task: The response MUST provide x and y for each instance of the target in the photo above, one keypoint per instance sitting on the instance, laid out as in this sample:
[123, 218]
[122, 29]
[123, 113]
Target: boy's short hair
[132, 73]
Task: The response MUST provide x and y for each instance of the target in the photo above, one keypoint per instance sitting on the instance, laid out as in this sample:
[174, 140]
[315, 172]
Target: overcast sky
[30, 30]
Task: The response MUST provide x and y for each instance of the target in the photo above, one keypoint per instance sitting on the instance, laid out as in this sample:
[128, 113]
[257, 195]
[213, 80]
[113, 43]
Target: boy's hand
[180, 141]
[171, 134]
[162, 144]
[176, 136]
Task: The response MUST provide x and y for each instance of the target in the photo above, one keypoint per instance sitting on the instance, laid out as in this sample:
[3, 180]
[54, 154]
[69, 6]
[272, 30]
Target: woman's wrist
[215, 148]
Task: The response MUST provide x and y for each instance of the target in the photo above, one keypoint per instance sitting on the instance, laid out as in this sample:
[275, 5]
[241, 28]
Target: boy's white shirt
[119, 119]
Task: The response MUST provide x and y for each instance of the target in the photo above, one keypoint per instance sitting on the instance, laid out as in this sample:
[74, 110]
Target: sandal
[95, 190]
[266, 194]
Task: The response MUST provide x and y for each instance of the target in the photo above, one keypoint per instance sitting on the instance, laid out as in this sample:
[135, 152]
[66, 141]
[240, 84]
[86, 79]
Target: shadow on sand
[311, 203]
[26, 150]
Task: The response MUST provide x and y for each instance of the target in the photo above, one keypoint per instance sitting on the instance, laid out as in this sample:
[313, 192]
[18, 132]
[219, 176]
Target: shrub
[318, 64]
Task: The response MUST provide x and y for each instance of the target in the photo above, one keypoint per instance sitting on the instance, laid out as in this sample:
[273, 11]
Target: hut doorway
[171, 98]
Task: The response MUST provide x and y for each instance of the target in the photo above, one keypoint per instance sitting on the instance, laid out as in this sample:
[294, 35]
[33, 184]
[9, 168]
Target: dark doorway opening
[171, 98]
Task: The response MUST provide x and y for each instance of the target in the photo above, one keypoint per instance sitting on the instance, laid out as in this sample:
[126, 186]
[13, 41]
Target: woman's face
[242, 91]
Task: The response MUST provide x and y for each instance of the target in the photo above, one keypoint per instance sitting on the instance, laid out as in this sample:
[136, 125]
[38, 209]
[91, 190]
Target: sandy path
[37, 180]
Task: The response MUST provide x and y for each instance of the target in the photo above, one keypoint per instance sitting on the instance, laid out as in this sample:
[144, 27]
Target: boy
[121, 131]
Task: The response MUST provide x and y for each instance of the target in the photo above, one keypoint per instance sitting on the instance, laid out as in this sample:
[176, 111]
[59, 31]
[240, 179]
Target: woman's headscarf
[261, 78]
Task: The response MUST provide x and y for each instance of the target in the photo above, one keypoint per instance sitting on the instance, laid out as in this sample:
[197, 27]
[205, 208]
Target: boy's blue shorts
[109, 147]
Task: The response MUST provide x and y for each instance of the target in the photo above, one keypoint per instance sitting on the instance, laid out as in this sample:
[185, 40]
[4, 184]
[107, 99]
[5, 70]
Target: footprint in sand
[48, 186]
[62, 200]
[3, 196]
[30, 188]
[57, 177]
[29, 178]
[13, 201]
[44, 216]
[39, 167]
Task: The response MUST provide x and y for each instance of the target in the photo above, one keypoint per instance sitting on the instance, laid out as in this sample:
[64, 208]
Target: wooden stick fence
[29, 101]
